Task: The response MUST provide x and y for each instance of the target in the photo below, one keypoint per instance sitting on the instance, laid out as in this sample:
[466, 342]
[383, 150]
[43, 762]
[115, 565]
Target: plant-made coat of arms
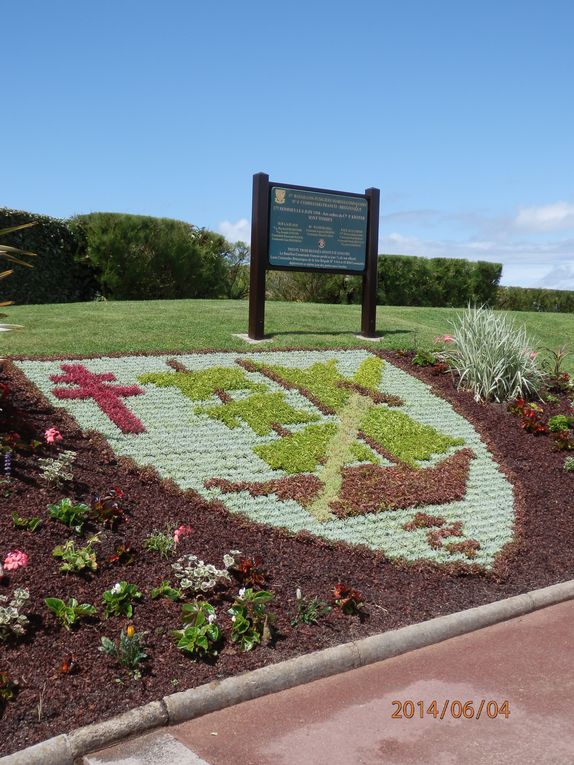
[339, 444]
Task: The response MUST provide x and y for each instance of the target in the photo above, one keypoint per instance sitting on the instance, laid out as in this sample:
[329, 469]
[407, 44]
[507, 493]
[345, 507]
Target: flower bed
[343, 445]
[362, 493]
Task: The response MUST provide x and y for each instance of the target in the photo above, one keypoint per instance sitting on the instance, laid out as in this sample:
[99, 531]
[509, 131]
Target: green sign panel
[312, 229]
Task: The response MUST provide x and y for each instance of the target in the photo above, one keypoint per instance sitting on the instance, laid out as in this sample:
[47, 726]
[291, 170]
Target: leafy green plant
[250, 618]
[72, 514]
[12, 620]
[196, 575]
[161, 542]
[424, 358]
[71, 612]
[569, 464]
[27, 524]
[560, 422]
[200, 634]
[309, 610]
[492, 356]
[58, 470]
[165, 590]
[128, 651]
[118, 600]
[77, 560]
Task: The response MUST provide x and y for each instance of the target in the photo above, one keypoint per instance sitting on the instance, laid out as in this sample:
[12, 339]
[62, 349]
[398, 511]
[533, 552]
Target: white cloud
[560, 277]
[553, 217]
[525, 264]
[236, 232]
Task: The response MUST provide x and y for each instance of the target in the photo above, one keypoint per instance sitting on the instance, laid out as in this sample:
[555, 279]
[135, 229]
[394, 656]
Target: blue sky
[462, 113]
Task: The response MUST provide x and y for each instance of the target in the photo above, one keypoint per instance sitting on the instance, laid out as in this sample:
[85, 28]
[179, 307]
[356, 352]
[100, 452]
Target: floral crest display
[337, 443]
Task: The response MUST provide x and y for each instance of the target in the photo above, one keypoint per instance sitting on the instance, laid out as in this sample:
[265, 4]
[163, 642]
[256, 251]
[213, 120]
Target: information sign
[310, 229]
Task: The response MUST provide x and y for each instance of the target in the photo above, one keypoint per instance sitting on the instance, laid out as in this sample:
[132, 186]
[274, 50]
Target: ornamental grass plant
[493, 357]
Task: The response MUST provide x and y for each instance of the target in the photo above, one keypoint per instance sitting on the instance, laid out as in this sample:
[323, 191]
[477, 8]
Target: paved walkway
[527, 662]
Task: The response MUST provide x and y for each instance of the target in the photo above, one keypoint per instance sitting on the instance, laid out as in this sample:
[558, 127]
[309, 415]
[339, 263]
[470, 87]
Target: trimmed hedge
[139, 257]
[58, 275]
[403, 280]
[534, 299]
[438, 282]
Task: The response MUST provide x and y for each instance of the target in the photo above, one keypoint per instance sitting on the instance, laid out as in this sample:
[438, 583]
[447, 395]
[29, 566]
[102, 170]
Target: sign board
[300, 228]
[310, 229]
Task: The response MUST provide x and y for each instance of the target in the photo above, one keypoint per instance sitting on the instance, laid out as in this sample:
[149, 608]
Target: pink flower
[182, 531]
[52, 435]
[532, 355]
[444, 339]
[15, 559]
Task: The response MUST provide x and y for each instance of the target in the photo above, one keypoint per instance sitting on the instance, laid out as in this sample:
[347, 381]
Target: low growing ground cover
[208, 513]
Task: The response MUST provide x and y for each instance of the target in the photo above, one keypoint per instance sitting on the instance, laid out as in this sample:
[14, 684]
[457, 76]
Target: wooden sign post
[299, 228]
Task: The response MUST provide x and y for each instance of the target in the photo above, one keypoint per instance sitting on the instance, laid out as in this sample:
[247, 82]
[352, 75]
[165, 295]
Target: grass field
[183, 325]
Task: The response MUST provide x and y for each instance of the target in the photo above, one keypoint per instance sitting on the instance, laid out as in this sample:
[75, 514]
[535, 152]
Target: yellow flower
[131, 631]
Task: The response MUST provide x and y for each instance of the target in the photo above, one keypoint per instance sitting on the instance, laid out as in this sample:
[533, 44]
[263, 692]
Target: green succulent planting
[300, 452]
[201, 385]
[260, 411]
[403, 437]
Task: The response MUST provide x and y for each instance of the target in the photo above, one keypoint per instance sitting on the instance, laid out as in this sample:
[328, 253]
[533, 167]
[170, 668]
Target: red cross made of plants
[107, 397]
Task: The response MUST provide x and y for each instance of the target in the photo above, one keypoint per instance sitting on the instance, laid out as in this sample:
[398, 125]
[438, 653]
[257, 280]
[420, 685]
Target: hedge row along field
[136, 257]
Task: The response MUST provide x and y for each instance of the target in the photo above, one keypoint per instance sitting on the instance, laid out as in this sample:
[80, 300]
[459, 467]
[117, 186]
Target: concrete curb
[67, 749]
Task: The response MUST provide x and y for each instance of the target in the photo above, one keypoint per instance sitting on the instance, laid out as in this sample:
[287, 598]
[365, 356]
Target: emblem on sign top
[280, 196]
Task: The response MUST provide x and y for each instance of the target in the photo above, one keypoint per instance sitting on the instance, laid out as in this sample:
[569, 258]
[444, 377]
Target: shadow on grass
[349, 333]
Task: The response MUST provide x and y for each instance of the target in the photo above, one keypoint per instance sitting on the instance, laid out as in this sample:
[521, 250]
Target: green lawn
[183, 325]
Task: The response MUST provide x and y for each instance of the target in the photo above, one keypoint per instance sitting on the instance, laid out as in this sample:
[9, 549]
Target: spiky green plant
[12, 255]
[493, 357]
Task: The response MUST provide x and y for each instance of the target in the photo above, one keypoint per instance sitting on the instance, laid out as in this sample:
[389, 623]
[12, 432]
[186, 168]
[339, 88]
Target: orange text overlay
[455, 709]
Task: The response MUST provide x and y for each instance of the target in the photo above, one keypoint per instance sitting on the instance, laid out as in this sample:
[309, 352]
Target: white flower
[211, 618]
[242, 592]
[116, 589]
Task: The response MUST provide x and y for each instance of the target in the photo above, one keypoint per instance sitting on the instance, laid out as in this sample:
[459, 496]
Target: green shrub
[60, 274]
[138, 257]
[303, 287]
[534, 299]
[414, 281]
[492, 357]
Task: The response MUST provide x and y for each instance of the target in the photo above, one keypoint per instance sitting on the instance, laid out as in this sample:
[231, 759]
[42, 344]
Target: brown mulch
[50, 701]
